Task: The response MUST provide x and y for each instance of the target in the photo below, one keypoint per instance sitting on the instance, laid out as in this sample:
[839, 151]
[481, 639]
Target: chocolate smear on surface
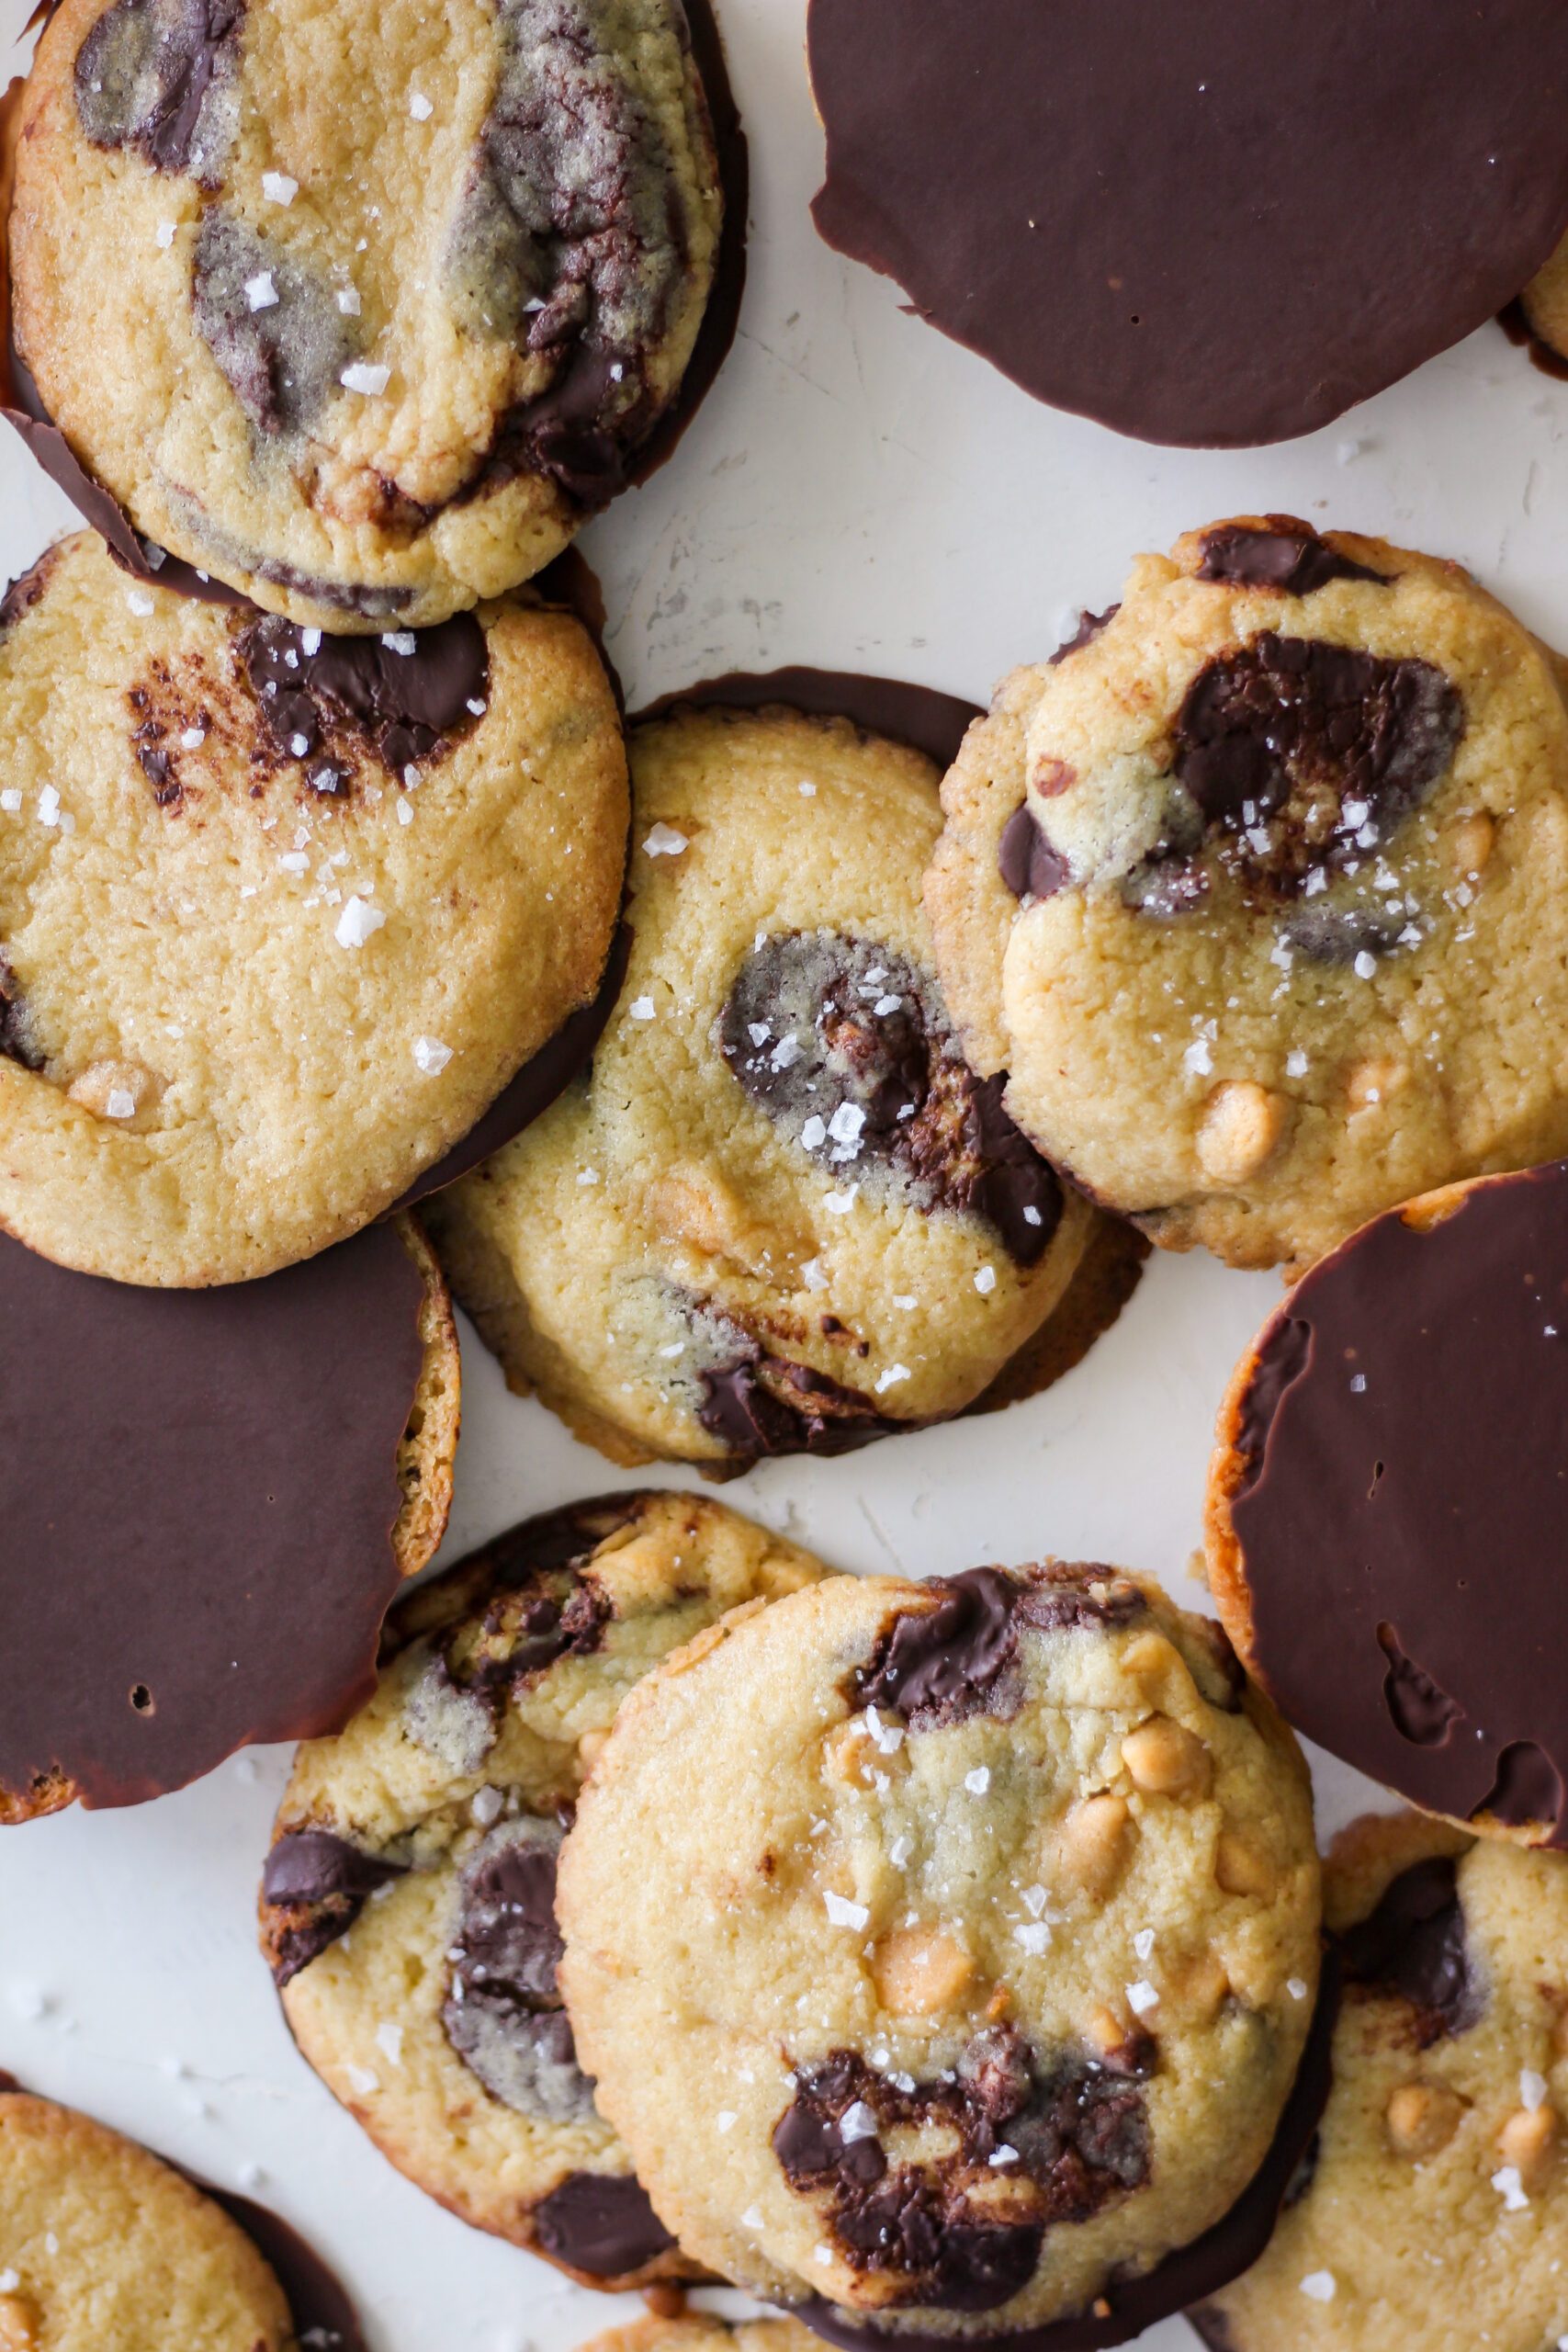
[409, 692]
[601, 2223]
[1289, 556]
[1404, 1428]
[847, 1045]
[936, 1667]
[922, 716]
[1190, 2274]
[187, 1478]
[1413, 1944]
[1198, 224]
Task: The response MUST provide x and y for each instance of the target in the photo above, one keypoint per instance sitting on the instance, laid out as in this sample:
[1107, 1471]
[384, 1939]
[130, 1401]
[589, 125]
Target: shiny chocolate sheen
[407, 691]
[925, 718]
[187, 1478]
[1289, 556]
[1188, 2276]
[1199, 224]
[1402, 1539]
[601, 2223]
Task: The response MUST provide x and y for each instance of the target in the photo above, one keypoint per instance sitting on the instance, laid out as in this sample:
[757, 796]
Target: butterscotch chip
[939, 1983]
[1527, 2139]
[1167, 1760]
[1423, 2118]
[1241, 1127]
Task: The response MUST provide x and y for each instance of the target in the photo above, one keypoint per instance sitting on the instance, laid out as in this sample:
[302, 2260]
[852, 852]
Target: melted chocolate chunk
[323, 1882]
[408, 695]
[1184, 2277]
[1331, 934]
[156, 76]
[1413, 1944]
[1079, 2132]
[929, 721]
[161, 1471]
[760, 1405]
[1401, 1431]
[601, 2223]
[18, 1042]
[503, 2014]
[1126, 226]
[282, 359]
[939, 1666]
[568, 243]
[1290, 556]
[1090, 625]
[1025, 859]
[1309, 745]
[849, 1049]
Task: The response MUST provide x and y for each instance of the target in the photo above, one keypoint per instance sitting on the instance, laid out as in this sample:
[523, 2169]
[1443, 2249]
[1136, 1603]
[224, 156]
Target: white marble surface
[857, 494]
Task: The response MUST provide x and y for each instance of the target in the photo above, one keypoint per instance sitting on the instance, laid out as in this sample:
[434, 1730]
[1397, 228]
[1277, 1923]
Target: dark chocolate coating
[1197, 223]
[1402, 1540]
[198, 1490]
[1188, 2276]
[923, 717]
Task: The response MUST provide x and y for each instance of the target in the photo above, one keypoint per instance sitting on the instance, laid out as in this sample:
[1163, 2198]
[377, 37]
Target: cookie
[1435, 2210]
[393, 303]
[1255, 890]
[1385, 1506]
[694, 2331]
[969, 1977]
[1541, 312]
[103, 2248]
[407, 1905]
[280, 915]
[1206, 225]
[782, 1215]
[209, 1498]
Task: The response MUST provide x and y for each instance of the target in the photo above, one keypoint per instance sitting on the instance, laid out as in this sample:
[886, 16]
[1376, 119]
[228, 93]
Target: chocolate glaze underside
[1201, 225]
[923, 717]
[186, 1479]
[1188, 2276]
[1402, 1542]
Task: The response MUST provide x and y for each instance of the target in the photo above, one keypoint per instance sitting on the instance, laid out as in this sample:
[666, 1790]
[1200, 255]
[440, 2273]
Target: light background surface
[860, 494]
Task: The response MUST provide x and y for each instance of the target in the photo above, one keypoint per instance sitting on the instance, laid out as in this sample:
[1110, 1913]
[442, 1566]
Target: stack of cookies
[801, 1062]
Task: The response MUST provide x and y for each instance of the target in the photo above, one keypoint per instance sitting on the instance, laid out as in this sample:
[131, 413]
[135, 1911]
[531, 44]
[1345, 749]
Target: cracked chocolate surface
[282, 357]
[503, 2014]
[940, 1666]
[1076, 2128]
[847, 1049]
[157, 75]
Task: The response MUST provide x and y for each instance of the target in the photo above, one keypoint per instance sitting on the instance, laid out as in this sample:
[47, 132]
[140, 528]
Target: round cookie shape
[971, 1978]
[1396, 1428]
[208, 1499]
[1254, 891]
[1433, 2213]
[782, 1215]
[401, 305]
[1199, 225]
[281, 915]
[106, 2246]
[408, 1900]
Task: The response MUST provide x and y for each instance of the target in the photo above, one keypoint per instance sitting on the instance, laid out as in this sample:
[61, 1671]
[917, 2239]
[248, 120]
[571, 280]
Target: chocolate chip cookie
[783, 1216]
[1434, 2211]
[1256, 891]
[280, 914]
[1391, 1445]
[408, 1901]
[969, 1978]
[1200, 224]
[362, 309]
[103, 2248]
[209, 1498]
